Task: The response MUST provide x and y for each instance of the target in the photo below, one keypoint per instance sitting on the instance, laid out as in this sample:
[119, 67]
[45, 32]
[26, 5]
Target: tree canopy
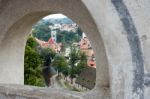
[32, 64]
[60, 64]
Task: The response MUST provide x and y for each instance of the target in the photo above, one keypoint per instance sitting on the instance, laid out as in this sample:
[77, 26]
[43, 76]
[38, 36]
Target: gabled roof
[51, 41]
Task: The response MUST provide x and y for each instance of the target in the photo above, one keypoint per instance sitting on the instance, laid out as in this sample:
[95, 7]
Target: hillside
[60, 21]
[42, 31]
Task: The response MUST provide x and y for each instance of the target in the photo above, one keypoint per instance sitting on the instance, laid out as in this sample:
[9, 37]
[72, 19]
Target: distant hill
[60, 21]
[42, 31]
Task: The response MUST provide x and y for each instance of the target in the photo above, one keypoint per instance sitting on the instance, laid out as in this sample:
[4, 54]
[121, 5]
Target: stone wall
[30, 92]
[118, 31]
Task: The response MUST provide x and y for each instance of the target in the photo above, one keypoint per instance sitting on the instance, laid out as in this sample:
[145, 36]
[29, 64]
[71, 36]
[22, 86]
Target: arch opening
[53, 40]
[22, 26]
[22, 29]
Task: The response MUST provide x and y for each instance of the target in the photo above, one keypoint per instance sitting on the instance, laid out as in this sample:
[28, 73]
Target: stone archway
[15, 38]
[101, 20]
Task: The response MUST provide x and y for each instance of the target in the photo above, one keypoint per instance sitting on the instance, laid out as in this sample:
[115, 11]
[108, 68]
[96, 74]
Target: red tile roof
[51, 41]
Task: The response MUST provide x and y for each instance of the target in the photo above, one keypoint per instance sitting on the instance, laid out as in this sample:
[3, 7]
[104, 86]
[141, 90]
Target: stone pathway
[62, 84]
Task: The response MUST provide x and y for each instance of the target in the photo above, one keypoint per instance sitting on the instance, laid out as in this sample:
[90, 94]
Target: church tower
[53, 35]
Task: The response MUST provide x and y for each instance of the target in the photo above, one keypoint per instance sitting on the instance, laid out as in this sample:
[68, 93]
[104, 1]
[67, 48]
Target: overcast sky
[56, 16]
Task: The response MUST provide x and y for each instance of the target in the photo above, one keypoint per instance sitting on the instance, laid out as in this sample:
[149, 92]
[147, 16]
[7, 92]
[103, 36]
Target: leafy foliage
[38, 61]
[82, 63]
[47, 55]
[79, 31]
[31, 42]
[32, 64]
[61, 64]
[67, 37]
[65, 71]
[74, 57]
[41, 30]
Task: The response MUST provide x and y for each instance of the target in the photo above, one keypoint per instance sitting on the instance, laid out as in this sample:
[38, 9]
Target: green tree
[61, 64]
[82, 63]
[41, 30]
[79, 31]
[74, 57]
[31, 42]
[65, 71]
[67, 38]
[47, 55]
[32, 64]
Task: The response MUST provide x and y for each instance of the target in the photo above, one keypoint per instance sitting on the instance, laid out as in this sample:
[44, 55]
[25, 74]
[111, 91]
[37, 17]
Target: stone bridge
[119, 33]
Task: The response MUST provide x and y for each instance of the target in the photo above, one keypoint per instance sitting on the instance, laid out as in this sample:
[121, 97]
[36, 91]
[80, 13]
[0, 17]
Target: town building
[52, 42]
[85, 46]
[88, 76]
